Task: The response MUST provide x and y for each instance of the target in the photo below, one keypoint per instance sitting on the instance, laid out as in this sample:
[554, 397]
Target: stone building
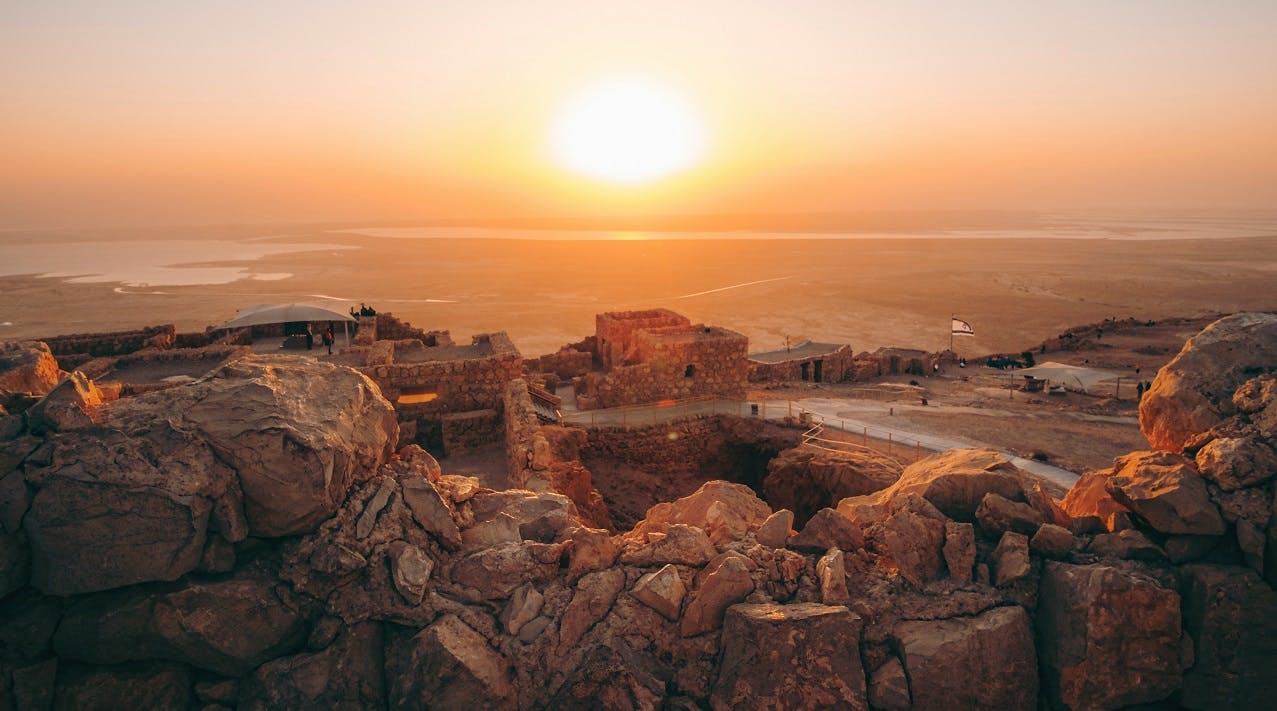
[451, 395]
[649, 356]
[808, 361]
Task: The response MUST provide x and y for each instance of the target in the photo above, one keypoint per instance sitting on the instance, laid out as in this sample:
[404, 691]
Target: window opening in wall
[806, 371]
[689, 371]
[416, 396]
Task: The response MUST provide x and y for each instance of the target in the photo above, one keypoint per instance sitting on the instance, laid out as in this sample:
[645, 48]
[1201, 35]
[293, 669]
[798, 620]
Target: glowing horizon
[149, 112]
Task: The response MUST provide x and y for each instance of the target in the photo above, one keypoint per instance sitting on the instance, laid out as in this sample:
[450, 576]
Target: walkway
[827, 409]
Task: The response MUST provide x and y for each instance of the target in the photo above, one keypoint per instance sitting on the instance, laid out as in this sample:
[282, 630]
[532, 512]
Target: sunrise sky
[159, 111]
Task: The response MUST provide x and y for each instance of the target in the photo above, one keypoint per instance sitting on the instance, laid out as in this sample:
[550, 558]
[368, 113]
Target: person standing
[328, 338]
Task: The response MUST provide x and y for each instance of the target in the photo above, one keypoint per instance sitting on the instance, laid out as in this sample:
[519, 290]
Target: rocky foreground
[252, 540]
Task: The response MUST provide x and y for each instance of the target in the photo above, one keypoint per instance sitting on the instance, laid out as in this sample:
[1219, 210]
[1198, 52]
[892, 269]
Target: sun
[627, 130]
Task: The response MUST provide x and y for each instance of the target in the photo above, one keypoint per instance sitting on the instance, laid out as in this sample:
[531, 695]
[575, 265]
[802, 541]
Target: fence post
[889, 435]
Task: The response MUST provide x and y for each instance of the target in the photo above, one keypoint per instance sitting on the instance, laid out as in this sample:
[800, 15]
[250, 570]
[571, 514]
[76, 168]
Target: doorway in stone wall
[818, 368]
[806, 371]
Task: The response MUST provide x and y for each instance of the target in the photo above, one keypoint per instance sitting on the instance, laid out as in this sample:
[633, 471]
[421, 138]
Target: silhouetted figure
[310, 338]
[1139, 390]
[328, 338]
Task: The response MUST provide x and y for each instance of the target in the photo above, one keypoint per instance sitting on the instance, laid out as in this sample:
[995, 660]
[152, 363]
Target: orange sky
[148, 111]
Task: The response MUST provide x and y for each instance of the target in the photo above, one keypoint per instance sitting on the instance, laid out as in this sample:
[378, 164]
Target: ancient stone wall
[468, 431]
[835, 367]
[114, 343]
[521, 432]
[566, 363]
[867, 366]
[675, 363]
[617, 331]
[460, 384]
[391, 328]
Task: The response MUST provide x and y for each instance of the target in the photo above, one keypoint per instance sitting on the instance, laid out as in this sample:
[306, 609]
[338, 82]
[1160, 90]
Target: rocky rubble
[250, 541]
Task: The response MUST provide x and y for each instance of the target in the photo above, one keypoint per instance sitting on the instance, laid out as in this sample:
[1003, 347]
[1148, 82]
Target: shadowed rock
[790, 657]
[1166, 491]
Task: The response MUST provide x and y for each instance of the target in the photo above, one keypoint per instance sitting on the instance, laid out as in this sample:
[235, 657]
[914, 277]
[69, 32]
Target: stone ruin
[256, 539]
[649, 356]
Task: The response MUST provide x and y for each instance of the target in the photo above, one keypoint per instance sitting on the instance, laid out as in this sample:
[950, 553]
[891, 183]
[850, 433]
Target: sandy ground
[867, 292]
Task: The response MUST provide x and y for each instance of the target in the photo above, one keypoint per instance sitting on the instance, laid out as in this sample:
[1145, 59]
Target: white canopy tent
[1072, 376]
[288, 313]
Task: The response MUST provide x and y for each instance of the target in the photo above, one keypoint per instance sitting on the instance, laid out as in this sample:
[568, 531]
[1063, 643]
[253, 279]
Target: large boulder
[1107, 637]
[790, 657]
[954, 481]
[1236, 462]
[1194, 391]
[986, 661]
[724, 510]
[228, 627]
[806, 479]
[1091, 507]
[152, 685]
[722, 583]
[298, 434]
[1231, 615]
[1166, 491]
[72, 404]
[267, 446]
[28, 367]
[910, 543]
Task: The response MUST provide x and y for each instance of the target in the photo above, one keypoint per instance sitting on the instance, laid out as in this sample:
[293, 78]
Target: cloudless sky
[143, 111]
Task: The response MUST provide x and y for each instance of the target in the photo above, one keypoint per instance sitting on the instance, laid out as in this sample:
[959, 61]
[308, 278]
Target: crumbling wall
[522, 432]
[566, 363]
[468, 431]
[113, 343]
[461, 385]
[391, 328]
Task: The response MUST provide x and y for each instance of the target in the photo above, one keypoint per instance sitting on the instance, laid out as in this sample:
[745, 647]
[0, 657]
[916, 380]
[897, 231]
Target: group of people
[327, 338]
[363, 310]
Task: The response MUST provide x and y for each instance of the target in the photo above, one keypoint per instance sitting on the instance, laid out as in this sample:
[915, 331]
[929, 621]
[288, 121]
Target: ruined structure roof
[802, 351]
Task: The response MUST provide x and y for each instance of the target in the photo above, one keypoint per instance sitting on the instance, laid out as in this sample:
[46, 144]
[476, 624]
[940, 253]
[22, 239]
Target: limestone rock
[831, 569]
[1194, 391]
[888, 687]
[592, 549]
[1236, 462]
[828, 529]
[524, 605]
[1107, 638]
[228, 627]
[1011, 559]
[498, 530]
[954, 481]
[986, 661]
[594, 596]
[368, 519]
[71, 405]
[1129, 544]
[345, 675]
[540, 516]
[736, 509]
[776, 529]
[723, 582]
[89, 535]
[912, 544]
[806, 479]
[493, 573]
[680, 544]
[410, 570]
[15, 563]
[1052, 541]
[998, 514]
[297, 432]
[611, 677]
[1045, 504]
[150, 685]
[1165, 490]
[449, 665]
[1092, 508]
[1232, 617]
[959, 549]
[431, 512]
[790, 656]
[662, 591]
[28, 367]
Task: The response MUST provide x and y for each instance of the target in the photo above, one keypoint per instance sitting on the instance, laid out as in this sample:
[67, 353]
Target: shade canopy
[1069, 375]
[284, 313]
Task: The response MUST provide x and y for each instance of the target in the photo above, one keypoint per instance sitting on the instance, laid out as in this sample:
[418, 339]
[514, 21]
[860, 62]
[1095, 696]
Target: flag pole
[951, 318]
